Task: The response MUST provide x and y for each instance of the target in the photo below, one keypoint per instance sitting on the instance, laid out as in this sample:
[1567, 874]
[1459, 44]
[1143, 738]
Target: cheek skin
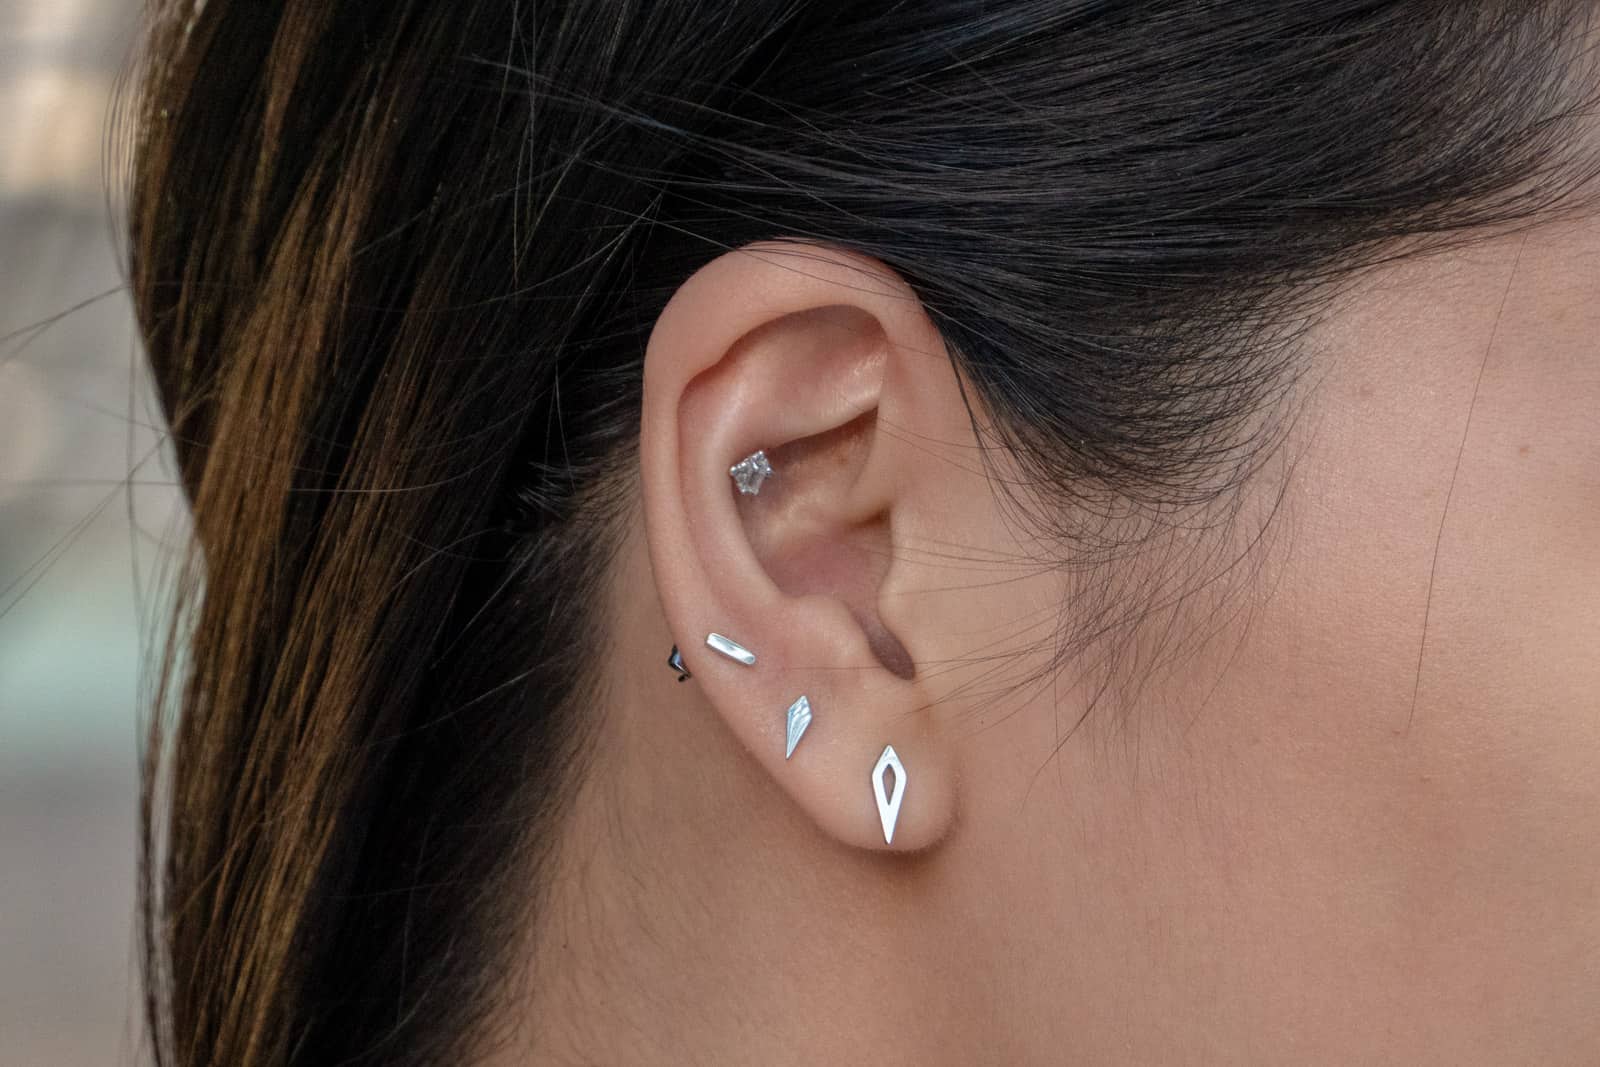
[1452, 775]
[1341, 859]
[1436, 796]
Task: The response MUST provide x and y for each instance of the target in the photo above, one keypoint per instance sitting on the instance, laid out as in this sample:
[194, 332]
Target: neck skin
[697, 917]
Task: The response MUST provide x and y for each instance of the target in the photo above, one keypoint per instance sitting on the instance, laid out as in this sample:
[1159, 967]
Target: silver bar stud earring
[798, 718]
[888, 798]
[732, 649]
[750, 472]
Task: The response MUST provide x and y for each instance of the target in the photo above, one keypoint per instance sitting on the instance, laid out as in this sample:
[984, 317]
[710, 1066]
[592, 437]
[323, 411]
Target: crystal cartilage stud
[799, 717]
[888, 799]
[675, 661]
[750, 472]
[732, 649]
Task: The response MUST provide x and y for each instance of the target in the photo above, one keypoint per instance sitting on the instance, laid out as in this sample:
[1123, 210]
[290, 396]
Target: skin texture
[1273, 840]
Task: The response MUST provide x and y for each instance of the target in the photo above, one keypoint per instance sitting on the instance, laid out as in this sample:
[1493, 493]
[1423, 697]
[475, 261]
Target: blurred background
[87, 514]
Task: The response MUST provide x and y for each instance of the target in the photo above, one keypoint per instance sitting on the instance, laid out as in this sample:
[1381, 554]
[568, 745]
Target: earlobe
[770, 489]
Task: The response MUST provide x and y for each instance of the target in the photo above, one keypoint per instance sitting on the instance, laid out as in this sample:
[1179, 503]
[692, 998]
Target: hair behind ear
[370, 649]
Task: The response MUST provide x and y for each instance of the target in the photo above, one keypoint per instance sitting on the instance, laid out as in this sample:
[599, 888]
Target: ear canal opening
[886, 647]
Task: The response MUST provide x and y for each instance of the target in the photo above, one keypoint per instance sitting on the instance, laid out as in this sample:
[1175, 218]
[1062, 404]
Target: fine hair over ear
[395, 265]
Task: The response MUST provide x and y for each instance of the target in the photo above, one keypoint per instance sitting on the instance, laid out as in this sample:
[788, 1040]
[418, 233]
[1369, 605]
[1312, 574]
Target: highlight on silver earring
[675, 661]
[732, 649]
[799, 717]
[888, 797]
[750, 472]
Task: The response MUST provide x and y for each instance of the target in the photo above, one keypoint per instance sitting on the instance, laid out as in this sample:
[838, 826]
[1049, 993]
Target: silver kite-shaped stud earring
[750, 472]
[797, 719]
[888, 796]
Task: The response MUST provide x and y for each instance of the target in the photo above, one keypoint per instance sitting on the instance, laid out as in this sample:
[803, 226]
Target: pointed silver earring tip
[732, 649]
[797, 719]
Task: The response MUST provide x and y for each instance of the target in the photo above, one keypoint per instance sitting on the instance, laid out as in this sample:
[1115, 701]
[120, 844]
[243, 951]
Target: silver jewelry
[675, 661]
[799, 717]
[731, 649]
[888, 798]
[750, 472]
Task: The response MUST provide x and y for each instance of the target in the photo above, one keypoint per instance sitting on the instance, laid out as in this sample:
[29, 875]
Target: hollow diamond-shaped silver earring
[888, 797]
[750, 472]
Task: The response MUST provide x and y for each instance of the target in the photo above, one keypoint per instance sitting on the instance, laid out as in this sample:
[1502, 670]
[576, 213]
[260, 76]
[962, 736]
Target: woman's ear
[826, 364]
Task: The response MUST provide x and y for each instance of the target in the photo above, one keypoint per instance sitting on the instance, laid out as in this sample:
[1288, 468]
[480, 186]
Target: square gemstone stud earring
[750, 472]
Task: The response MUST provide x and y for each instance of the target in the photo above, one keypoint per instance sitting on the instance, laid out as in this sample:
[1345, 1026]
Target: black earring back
[675, 661]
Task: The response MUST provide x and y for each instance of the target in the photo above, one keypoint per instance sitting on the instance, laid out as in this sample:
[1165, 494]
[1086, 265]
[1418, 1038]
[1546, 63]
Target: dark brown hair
[395, 263]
